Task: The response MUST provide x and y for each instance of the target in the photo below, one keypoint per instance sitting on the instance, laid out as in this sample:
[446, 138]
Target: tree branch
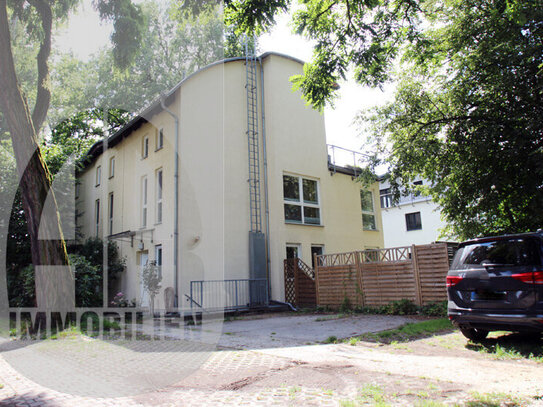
[43, 97]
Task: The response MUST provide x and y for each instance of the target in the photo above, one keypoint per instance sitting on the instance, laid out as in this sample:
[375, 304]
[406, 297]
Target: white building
[414, 219]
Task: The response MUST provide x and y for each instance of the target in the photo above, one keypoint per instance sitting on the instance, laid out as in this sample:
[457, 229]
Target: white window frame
[98, 175]
[160, 139]
[159, 212]
[159, 259]
[297, 246]
[110, 211]
[97, 218]
[370, 213]
[145, 147]
[301, 203]
[112, 167]
[420, 221]
[144, 201]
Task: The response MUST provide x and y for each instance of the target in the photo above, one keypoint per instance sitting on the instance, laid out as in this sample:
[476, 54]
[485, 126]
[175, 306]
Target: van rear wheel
[474, 334]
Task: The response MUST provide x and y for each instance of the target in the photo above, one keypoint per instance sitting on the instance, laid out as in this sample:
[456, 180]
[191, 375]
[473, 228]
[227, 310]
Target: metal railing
[214, 295]
[339, 157]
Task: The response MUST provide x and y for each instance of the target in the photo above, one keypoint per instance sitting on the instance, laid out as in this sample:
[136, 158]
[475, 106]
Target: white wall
[395, 226]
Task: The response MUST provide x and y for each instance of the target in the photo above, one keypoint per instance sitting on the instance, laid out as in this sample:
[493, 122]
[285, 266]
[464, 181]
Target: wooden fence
[300, 287]
[377, 277]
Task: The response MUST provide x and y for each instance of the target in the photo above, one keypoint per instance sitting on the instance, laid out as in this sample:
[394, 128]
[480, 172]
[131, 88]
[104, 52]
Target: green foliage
[435, 309]
[410, 331]
[345, 305]
[331, 339]
[363, 35]
[87, 263]
[400, 307]
[468, 116]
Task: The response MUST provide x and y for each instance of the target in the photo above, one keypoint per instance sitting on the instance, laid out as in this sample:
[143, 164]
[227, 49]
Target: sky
[85, 34]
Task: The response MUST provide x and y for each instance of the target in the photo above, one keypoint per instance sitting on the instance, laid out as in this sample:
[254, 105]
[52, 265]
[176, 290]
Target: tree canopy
[468, 116]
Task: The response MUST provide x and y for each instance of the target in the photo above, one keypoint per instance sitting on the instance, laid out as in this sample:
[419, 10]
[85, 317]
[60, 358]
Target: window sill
[158, 149]
[97, 185]
[370, 230]
[303, 224]
[413, 230]
[112, 176]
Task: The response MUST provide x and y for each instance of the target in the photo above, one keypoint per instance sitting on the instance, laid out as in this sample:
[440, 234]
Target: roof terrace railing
[343, 158]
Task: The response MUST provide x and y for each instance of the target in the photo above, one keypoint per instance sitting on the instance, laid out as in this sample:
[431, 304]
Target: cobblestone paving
[19, 391]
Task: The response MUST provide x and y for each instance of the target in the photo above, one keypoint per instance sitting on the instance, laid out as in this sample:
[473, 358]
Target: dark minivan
[496, 283]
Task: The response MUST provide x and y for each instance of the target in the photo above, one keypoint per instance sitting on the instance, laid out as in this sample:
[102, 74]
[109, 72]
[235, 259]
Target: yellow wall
[214, 198]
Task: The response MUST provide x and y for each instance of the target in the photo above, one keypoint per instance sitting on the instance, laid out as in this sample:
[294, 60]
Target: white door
[144, 259]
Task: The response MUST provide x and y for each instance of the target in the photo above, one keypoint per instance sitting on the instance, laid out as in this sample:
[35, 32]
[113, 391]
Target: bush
[345, 306]
[401, 307]
[435, 309]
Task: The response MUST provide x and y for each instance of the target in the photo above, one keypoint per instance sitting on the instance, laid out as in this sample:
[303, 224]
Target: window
[386, 198]
[160, 139]
[98, 175]
[158, 258]
[77, 189]
[159, 196]
[316, 250]
[97, 217]
[111, 167]
[415, 184]
[145, 147]
[301, 197]
[144, 202]
[110, 210]
[368, 215]
[412, 221]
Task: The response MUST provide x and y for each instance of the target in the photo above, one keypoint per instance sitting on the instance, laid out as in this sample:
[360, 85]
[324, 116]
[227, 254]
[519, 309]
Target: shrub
[435, 309]
[345, 306]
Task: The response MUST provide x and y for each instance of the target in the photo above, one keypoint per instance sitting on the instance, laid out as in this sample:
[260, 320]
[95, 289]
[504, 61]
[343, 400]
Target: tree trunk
[54, 279]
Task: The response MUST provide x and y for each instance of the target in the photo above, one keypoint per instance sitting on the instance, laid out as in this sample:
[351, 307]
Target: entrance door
[294, 251]
[144, 260]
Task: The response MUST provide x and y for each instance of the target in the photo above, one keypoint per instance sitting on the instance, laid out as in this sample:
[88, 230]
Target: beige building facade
[127, 190]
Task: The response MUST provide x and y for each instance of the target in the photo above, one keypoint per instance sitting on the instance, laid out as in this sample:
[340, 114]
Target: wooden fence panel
[377, 277]
[433, 265]
[337, 283]
[386, 282]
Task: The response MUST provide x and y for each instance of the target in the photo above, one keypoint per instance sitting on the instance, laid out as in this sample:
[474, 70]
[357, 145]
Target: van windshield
[509, 252]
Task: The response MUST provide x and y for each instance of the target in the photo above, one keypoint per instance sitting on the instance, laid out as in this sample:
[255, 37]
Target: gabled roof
[155, 107]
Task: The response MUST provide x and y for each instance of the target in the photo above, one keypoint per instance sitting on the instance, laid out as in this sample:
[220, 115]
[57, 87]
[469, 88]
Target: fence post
[416, 272]
[358, 263]
[316, 268]
[296, 283]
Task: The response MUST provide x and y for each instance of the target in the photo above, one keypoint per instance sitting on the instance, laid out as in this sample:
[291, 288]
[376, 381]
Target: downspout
[266, 202]
[176, 204]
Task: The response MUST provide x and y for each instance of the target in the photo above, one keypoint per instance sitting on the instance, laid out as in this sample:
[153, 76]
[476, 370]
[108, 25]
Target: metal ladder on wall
[252, 140]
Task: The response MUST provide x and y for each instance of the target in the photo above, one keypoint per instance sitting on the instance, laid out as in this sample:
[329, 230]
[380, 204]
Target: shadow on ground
[513, 345]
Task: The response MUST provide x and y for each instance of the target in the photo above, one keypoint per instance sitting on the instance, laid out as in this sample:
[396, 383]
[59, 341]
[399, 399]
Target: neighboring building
[127, 190]
[415, 219]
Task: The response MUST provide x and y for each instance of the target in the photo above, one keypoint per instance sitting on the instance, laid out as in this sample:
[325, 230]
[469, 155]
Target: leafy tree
[468, 116]
[365, 35]
[24, 125]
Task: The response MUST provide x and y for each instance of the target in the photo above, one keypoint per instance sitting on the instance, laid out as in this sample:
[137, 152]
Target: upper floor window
[144, 202]
[158, 258]
[111, 167]
[98, 175]
[159, 196]
[301, 200]
[413, 221]
[368, 213]
[96, 217]
[160, 139]
[386, 198]
[110, 220]
[145, 147]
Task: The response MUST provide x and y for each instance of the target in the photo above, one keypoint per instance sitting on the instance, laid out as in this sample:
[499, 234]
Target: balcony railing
[343, 158]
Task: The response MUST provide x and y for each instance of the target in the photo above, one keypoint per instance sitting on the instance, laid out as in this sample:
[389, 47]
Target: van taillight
[531, 278]
[453, 280]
